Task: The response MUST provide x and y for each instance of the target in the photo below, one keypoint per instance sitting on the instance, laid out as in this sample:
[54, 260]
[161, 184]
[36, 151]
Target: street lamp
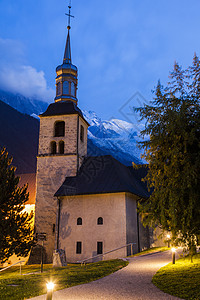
[50, 287]
[168, 240]
[173, 255]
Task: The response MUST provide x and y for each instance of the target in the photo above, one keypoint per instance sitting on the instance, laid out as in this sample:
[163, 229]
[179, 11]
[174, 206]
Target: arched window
[100, 221]
[53, 147]
[82, 134]
[73, 89]
[79, 221]
[58, 88]
[65, 88]
[59, 129]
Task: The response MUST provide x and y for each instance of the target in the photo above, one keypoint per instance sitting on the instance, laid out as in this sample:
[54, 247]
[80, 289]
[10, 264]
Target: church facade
[85, 205]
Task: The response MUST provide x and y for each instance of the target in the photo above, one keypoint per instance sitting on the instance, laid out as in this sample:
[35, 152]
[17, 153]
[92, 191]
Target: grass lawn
[13, 286]
[151, 250]
[182, 279]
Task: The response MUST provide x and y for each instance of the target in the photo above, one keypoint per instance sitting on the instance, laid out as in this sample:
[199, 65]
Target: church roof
[63, 108]
[104, 174]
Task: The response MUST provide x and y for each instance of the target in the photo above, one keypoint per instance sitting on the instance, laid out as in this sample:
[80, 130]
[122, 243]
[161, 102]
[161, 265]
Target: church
[85, 205]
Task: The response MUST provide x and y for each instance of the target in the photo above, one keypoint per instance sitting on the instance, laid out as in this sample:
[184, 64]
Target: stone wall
[47, 133]
[82, 146]
[52, 170]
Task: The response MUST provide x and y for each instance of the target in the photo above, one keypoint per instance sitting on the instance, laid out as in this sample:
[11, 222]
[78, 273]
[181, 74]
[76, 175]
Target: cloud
[17, 76]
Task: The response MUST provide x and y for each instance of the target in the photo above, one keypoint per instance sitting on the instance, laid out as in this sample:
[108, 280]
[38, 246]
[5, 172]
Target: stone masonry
[52, 170]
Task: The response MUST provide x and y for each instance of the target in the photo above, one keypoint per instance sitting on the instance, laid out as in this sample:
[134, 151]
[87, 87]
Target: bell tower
[62, 146]
[66, 80]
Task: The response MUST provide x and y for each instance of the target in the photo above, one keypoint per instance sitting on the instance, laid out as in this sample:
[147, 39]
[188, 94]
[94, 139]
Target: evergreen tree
[16, 234]
[173, 153]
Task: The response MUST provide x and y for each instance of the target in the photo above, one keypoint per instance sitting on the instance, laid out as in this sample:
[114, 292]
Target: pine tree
[16, 232]
[173, 154]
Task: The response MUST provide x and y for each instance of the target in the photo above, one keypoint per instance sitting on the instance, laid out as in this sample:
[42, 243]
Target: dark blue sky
[119, 47]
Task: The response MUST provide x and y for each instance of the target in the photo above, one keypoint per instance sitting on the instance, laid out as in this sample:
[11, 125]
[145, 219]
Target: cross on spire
[69, 15]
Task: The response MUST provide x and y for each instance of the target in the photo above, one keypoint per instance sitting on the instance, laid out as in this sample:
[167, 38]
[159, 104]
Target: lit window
[59, 129]
[78, 247]
[53, 147]
[65, 88]
[82, 134]
[61, 147]
[100, 221]
[79, 221]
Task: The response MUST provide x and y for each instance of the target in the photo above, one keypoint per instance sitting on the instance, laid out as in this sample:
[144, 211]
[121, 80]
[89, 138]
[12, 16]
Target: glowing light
[168, 236]
[173, 250]
[29, 208]
[50, 286]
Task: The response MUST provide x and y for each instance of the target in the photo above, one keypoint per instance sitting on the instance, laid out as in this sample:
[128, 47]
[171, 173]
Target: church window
[78, 247]
[82, 133]
[59, 129]
[58, 88]
[73, 89]
[100, 221]
[99, 248]
[65, 88]
[79, 221]
[53, 147]
[61, 147]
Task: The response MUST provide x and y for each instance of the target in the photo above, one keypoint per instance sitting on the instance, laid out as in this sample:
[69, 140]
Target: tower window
[61, 147]
[73, 89]
[99, 248]
[79, 221]
[82, 133]
[78, 247]
[53, 147]
[59, 129]
[100, 221]
[58, 88]
[53, 228]
[66, 88]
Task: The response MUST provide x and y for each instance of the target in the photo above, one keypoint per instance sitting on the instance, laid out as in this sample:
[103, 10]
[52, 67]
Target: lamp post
[41, 237]
[50, 287]
[173, 255]
[168, 240]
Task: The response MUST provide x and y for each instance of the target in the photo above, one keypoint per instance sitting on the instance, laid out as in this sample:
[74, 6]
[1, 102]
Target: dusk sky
[119, 47]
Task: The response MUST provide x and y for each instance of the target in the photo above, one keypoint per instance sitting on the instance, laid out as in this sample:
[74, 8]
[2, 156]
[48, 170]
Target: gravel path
[131, 282]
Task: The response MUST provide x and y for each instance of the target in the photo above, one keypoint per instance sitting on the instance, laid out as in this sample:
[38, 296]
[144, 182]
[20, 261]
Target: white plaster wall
[111, 207]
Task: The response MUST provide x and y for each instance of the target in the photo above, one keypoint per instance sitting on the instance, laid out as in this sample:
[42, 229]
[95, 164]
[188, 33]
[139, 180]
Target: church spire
[67, 55]
[67, 73]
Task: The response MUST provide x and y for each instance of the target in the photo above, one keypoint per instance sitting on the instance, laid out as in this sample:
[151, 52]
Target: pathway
[131, 282]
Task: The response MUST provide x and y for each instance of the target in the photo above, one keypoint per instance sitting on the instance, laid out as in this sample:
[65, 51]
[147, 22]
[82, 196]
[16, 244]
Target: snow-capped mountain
[115, 137]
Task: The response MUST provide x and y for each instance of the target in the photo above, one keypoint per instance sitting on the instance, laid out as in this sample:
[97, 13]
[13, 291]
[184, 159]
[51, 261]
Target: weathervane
[69, 15]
